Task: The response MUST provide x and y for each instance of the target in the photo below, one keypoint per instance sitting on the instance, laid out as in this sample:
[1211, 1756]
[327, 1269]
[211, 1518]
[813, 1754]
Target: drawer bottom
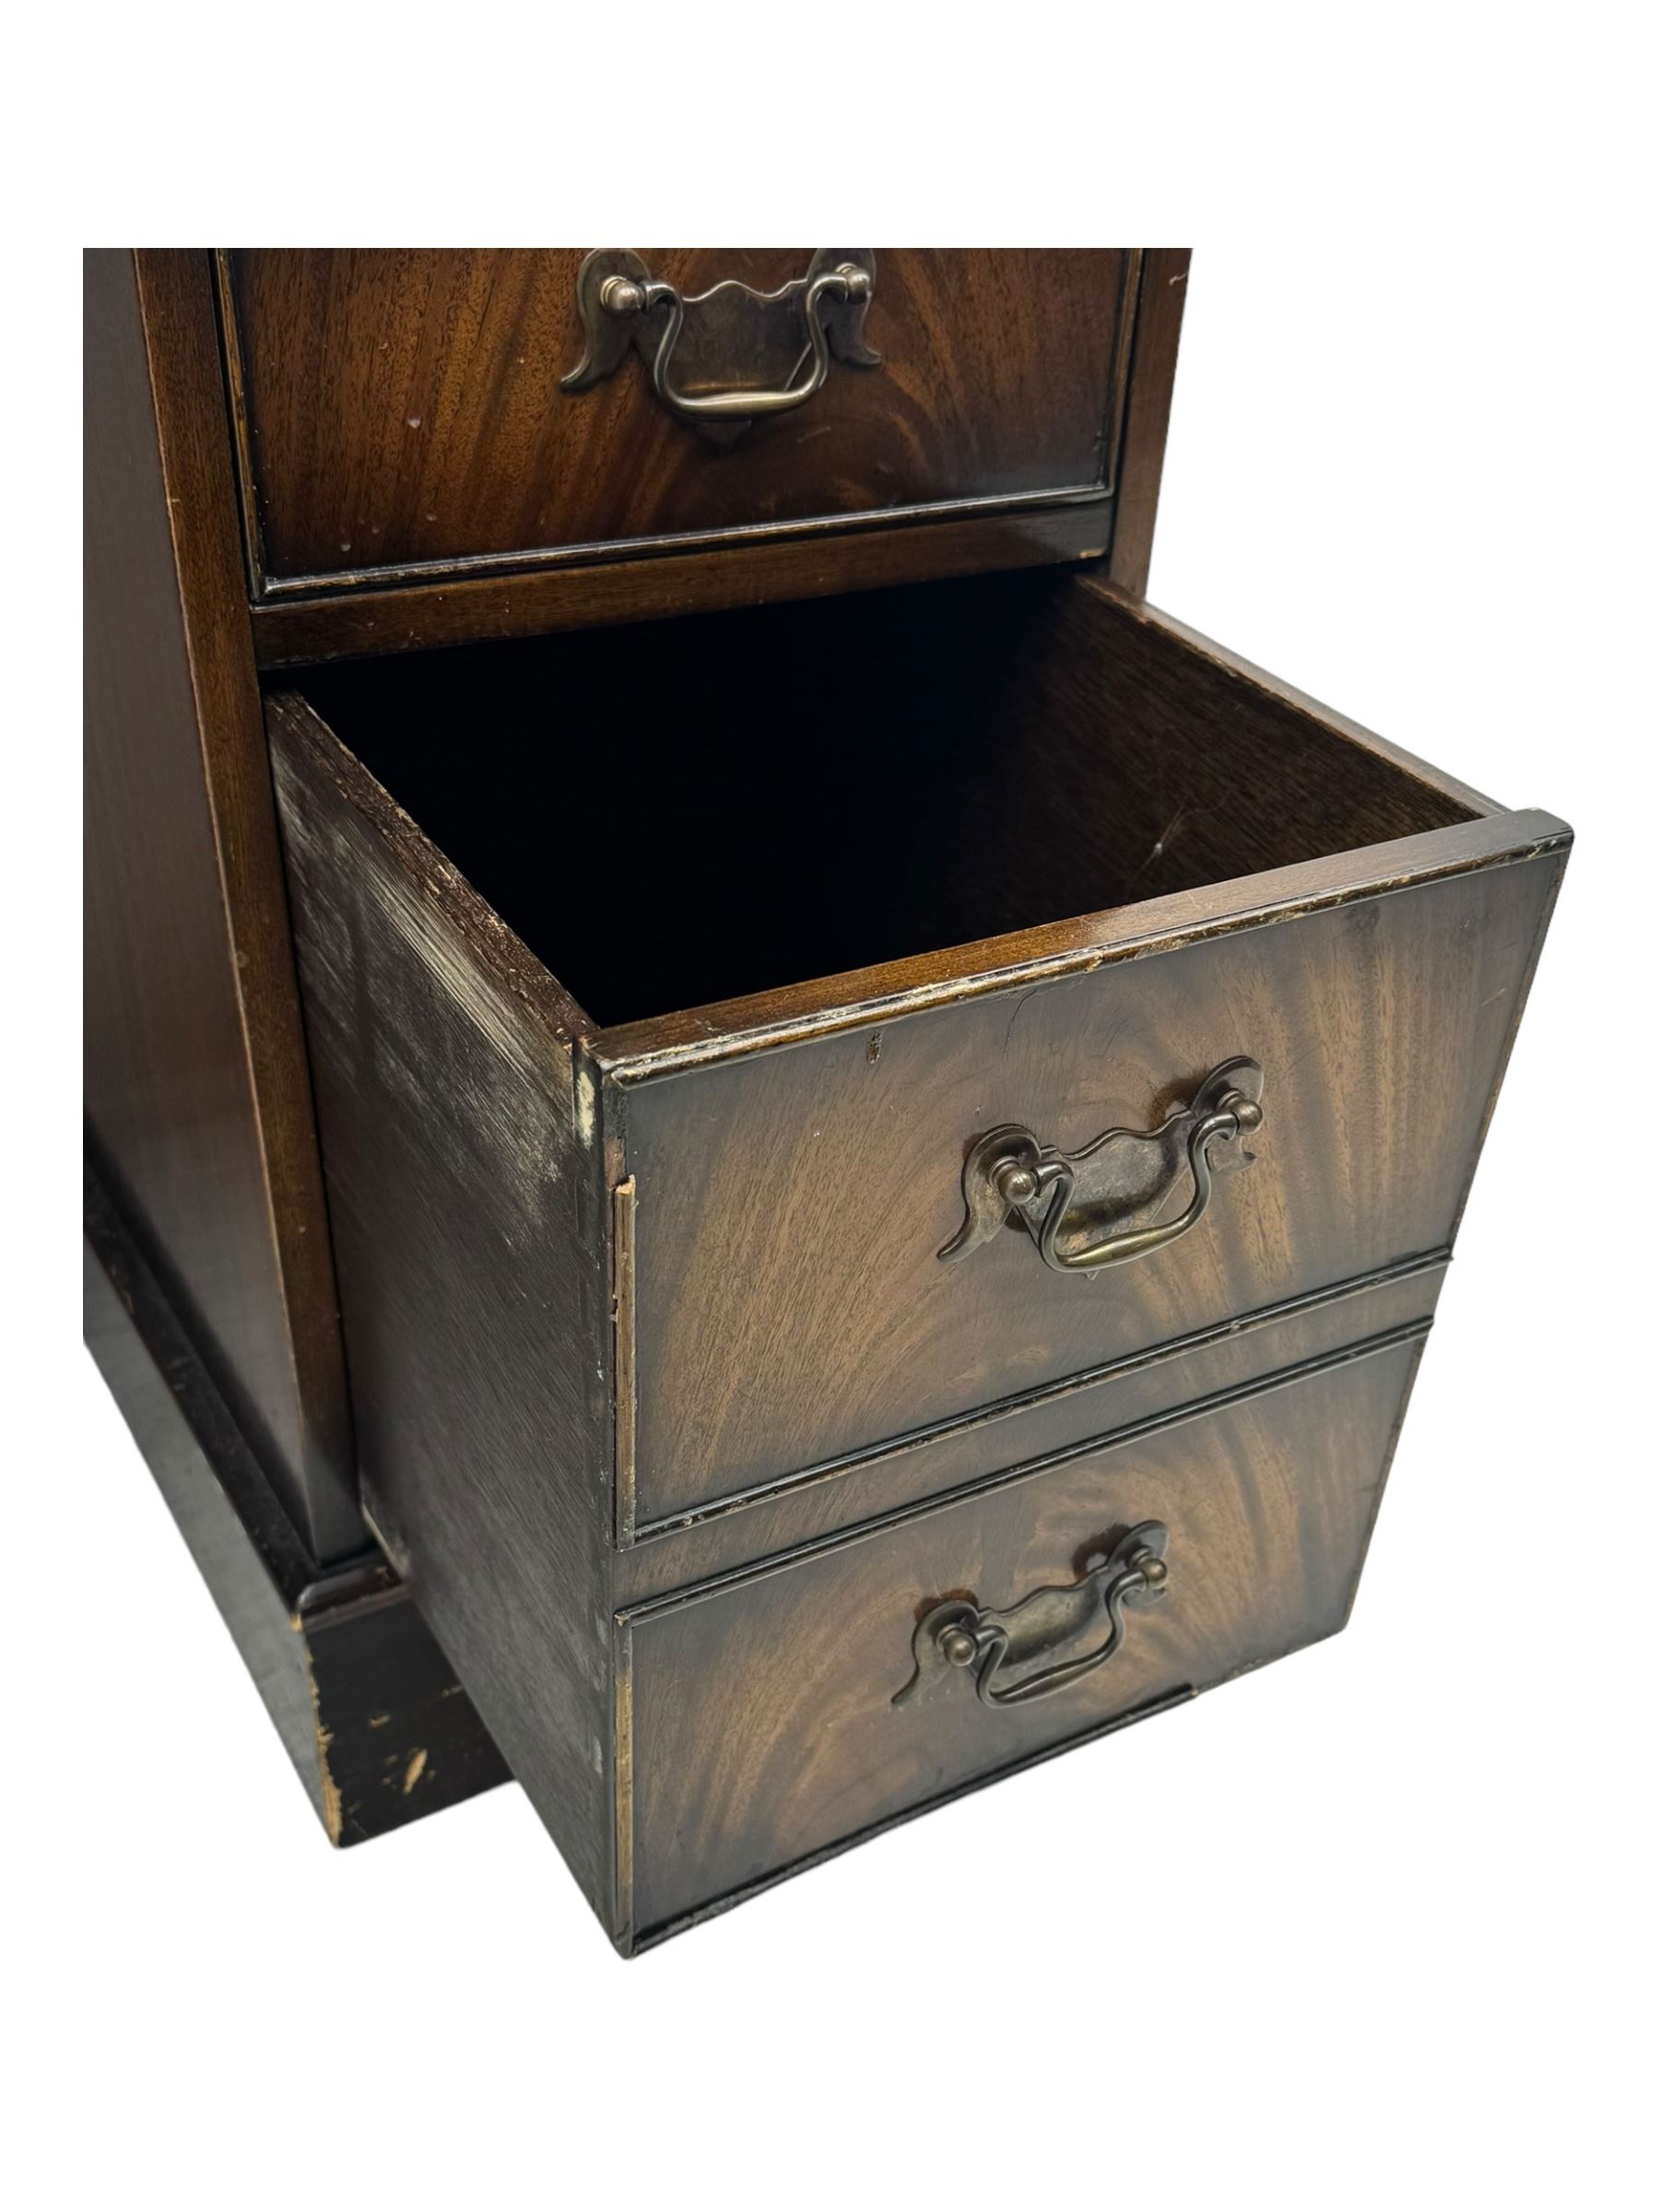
[770, 1717]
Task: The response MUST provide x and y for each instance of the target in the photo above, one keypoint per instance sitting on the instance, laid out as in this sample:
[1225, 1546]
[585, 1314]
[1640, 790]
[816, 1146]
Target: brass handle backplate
[1089, 1209]
[960, 1636]
[710, 337]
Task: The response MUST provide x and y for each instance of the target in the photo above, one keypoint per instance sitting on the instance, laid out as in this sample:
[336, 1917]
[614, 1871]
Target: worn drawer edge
[1020, 1471]
[631, 1944]
[631, 1531]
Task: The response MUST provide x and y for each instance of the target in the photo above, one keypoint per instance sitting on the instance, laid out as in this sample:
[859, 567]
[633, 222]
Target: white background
[1370, 1927]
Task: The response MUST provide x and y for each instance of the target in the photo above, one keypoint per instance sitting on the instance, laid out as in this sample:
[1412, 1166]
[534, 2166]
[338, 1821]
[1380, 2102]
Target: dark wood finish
[672, 1423]
[841, 553]
[704, 1036]
[369, 1711]
[762, 1726]
[790, 1204]
[973, 758]
[403, 415]
[196, 1089]
[467, 1213]
[1176, 673]
[1163, 282]
[600, 1282]
[404, 617]
[1040, 747]
[1045, 1423]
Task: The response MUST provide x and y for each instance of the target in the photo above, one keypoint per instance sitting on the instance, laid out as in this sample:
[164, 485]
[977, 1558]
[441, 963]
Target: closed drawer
[783, 1169]
[1048, 1425]
[403, 415]
[763, 1723]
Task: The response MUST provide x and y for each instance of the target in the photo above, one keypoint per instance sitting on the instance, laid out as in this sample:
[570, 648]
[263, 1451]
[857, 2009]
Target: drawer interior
[688, 811]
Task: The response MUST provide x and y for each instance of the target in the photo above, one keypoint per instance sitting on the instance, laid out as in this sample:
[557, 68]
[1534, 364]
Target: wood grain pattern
[670, 1421]
[791, 1205]
[1200, 680]
[403, 410]
[466, 1210]
[634, 1053]
[369, 1711]
[196, 1080]
[763, 1726]
[788, 1162]
[976, 1446]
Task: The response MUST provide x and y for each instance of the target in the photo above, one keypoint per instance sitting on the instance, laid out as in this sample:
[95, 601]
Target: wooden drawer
[791, 1163]
[1115, 1399]
[763, 1729]
[401, 416]
[648, 1260]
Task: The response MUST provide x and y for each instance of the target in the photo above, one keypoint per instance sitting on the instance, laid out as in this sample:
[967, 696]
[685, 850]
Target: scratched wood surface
[403, 407]
[368, 1709]
[470, 1272]
[829, 890]
[788, 1164]
[791, 1206]
[763, 1724]
[1080, 754]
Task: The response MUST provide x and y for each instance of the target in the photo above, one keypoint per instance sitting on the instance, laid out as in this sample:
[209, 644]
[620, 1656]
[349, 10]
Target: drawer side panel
[471, 1285]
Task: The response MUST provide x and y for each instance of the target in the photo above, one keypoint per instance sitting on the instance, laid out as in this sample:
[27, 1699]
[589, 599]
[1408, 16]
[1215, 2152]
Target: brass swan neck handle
[621, 304]
[961, 1635]
[1075, 1207]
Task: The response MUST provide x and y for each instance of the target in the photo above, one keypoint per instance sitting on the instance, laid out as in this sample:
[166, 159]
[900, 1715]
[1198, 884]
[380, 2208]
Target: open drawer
[960, 986]
[842, 1172]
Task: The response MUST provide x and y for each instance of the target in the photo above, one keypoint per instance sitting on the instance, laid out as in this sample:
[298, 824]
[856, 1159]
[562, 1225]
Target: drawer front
[1069, 1418]
[764, 1726]
[790, 1306]
[402, 412]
